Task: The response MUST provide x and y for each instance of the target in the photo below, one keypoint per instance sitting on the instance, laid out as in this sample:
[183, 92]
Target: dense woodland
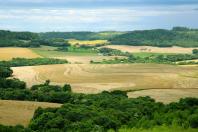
[81, 35]
[98, 112]
[178, 36]
[19, 39]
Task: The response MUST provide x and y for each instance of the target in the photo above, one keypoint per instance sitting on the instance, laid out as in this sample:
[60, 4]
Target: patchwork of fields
[164, 83]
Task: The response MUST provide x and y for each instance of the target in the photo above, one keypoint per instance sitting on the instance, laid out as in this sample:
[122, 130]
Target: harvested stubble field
[94, 78]
[87, 59]
[165, 95]
[150, 49]
[9, 53]
[20, 112]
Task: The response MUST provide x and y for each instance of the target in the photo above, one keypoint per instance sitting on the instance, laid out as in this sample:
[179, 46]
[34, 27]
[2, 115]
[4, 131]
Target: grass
[20, 112]
[87, 42]
[9, 53]
[159, 129]
[48, 51]
[75, 55]
[146, 54]
[94, 78]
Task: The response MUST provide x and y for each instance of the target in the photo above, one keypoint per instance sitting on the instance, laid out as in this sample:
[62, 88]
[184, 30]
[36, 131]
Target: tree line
[16, 62]
[156, 58]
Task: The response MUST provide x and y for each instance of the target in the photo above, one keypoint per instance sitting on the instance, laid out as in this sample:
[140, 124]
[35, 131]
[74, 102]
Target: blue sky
[96, 15]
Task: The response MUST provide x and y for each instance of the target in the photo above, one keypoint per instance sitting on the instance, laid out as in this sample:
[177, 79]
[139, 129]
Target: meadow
[50, 52]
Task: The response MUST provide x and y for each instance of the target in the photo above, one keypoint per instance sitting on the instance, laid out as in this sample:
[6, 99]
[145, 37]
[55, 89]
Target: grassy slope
[47, 51]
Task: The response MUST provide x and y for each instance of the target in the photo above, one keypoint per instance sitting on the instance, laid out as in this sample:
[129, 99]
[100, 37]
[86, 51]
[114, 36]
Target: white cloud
[74, 18]
[82, 15]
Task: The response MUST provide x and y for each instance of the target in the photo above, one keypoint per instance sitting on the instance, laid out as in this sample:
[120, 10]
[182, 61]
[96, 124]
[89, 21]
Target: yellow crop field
[95, 78]
[20, 112]
[87, 42]
[9, 53]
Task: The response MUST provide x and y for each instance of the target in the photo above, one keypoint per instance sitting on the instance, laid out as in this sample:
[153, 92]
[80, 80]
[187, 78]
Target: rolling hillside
[178, 36]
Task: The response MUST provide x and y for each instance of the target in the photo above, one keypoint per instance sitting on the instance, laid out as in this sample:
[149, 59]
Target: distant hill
[81, 35]
[19, 39]
[178, 36]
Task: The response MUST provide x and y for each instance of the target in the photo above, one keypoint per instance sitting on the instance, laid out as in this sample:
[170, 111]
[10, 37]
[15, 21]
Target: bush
[5, 72]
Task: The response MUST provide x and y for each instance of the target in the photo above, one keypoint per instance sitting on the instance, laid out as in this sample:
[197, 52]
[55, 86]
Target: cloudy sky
[96, 15]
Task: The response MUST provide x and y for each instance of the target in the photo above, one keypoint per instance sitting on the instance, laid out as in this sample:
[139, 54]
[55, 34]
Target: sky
[96, 15]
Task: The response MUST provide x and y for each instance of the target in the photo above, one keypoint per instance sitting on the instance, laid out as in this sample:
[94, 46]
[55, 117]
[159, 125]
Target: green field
[146, 54]
[48, 51]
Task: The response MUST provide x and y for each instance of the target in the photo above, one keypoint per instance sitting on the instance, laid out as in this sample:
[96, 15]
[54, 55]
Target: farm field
[9, 53]
[87, 59]
[87, 42]
[94, 78]
[165, 95]
[20, 112]
[150, 49]
[50, 52]
[72, 57]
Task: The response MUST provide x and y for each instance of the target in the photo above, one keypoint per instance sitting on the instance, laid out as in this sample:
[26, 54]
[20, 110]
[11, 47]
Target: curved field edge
[165, 95]
[20, 112]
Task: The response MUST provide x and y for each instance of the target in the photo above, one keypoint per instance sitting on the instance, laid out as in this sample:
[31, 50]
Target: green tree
[193, 121]
[67, 88]
[195, 51]
[5, 72]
